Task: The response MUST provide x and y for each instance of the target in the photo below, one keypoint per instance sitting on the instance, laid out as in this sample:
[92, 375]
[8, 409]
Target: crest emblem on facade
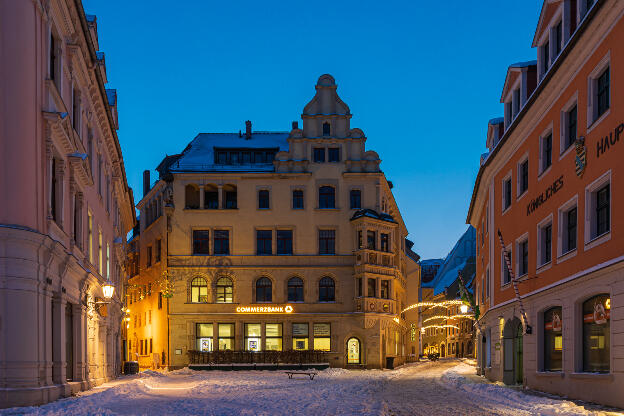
[581, 156]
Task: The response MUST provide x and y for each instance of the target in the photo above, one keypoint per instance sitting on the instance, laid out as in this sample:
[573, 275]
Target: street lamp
[463, 308]
[108, 289]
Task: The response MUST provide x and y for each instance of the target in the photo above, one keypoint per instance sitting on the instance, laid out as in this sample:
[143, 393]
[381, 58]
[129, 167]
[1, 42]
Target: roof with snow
[372, 214]
[459, 259]
[496, 120]
[199, 155]
[523, 64]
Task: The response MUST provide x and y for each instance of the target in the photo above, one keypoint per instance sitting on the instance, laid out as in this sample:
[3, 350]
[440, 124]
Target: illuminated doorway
[353, 351]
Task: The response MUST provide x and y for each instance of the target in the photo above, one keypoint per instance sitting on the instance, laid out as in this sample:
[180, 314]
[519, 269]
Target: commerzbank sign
[264, 309]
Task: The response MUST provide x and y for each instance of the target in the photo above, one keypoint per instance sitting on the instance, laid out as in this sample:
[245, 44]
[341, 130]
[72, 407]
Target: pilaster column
[72, 211]
[60, 192]
[202, 195]
[59, 374]
[221, 197]
[50, 184]
[80, 341]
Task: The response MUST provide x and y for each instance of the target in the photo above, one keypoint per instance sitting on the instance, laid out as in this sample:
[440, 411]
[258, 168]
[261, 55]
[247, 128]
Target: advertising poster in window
[300, 330]
[322, 330]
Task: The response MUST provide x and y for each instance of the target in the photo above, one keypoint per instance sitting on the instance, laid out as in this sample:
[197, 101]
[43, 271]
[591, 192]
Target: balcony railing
[257, 357]
[374, 258]
[375, 305]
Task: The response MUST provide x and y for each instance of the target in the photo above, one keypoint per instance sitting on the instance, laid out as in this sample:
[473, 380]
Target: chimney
[247, 130]
[295, 125]
[146, 182]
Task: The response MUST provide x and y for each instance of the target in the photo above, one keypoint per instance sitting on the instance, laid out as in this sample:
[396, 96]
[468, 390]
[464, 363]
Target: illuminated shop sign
[545, 196]
[264, 309]
[606, 142]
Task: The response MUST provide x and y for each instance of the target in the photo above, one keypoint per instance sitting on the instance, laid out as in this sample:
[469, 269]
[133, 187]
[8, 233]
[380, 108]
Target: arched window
[225, 290]
[327, 197]
[553, 339]
[326, 129]
[597, 334]
[230, 197]
[199, 290]
[211, 197]
[191, 193]
[295, 290]
[327, 290]
[264, 292]
[353, 351]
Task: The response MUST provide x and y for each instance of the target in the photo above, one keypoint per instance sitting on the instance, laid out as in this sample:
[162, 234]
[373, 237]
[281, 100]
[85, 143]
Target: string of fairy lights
[445, 304]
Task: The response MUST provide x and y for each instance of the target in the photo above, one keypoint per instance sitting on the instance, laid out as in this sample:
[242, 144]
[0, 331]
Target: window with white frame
[487, 282]
[569, 122]
[557, 36]
[506, 192]
[545, 48]
[505, 274]
[599, 93]
[522, 257]
[544, 242]
[523, 176]
[515, 103]
[567, 233]
[598, 208]
[545, 151]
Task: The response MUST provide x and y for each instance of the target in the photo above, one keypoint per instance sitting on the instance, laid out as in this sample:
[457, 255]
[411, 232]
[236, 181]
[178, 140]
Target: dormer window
[515, 103]
[546, 54]
[326, 129]
[558, 38]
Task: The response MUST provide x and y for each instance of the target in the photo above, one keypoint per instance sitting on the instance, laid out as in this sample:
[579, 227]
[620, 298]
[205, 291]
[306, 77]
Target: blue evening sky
[421, 79]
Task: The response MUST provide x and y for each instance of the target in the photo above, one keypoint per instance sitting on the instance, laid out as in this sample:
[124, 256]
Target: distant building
[458, 340]
[549, 183]
[66, 206]
[273, 241]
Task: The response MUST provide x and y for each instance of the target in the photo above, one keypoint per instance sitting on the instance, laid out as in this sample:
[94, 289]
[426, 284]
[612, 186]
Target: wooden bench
[295, 373]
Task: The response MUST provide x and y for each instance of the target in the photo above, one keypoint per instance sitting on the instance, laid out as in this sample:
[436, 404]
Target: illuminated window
[597, 334]
[273, 337]
[253, 337]
[300, 336]
[553, 339]
[226, 337]
[322, 337]
[353, 351]
[204, 335]
[199, 290]
[225, 290]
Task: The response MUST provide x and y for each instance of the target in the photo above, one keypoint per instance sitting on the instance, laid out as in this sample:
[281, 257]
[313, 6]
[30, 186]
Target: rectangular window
[160, 300]
[487, 283]
[571, 125]
[385, 289]
[230, 199]
[273, 337]
[546, 152]
[221, 158]
[211, 199]
[558, 33]
[359, 286]
[523, 173]
[158, 249]
[151, 346]
[100, 256]
[107, 261]
[148, 257]
[300, 336]
[360, 244]
[284, 242]
[263, 199]
[570, 236]
[327, 242]
[201, 241]
[297, 199]
[506, 274]
[602, 93]
[221, 242]
[322, 337]
[226, 337]
[371, 240]
[523, 259]
[546, 48]
[355, 197]
[264, 242]
[76, 110]
[385, 242]
[603, 207]
[545, 241]
[319, 154]
[90, 236]
[253, 337]
[506, 193]
[372, 288]
[333, 154]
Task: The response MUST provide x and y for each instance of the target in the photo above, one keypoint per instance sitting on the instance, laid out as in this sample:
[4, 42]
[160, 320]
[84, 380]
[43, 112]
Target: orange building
[551, 184]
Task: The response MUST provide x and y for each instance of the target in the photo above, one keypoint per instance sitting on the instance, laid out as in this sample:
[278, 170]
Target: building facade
[549, 183]
[66, 207]
[274, 241]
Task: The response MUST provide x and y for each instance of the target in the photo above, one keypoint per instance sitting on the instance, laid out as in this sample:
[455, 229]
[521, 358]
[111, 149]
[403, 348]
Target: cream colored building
[300, 224]
[66, 205]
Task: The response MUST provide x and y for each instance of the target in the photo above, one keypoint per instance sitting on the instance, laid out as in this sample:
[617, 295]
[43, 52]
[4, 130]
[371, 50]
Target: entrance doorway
[512, 352]
[442, 351]
[69, 342]
[353, 351]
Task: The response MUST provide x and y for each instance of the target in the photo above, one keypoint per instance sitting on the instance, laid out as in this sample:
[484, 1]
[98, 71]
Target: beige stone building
[273, 241]
[66, 205]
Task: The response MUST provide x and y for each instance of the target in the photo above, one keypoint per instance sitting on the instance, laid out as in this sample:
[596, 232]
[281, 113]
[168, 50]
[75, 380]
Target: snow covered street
[441, 388]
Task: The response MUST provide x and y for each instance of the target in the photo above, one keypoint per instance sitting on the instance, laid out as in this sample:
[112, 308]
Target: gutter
[565, 52]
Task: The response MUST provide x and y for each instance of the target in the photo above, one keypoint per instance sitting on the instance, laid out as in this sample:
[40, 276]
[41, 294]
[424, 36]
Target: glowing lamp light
[463, 308]
[608, 304]
[108, 289]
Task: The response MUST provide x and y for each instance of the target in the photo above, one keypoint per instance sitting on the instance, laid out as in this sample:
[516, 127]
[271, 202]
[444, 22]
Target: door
[69, 342]
[353, 351]
[518, 347]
